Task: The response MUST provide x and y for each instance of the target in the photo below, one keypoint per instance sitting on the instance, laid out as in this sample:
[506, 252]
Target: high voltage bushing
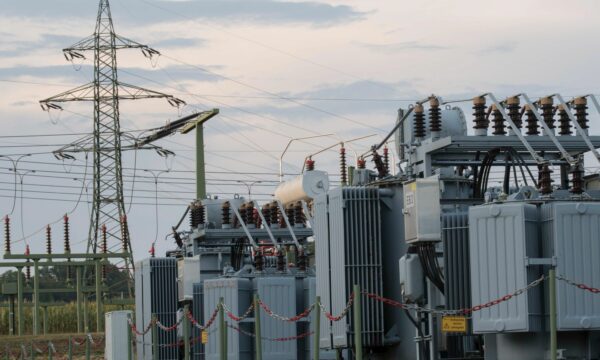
[274, 213]
[546, 104]
[249, 220]
[28, 267]
[514, 110]
[66, 235]
[310, 164]
[196, 214]
[480, 119]
[104, 250]
[532, 123]
[6, 235]
[289, 213]
[564, 123]
[299, 217]
[379, 165]
[48, 240]
[580, 112]
[343, 169]
[577, 179]
[124, 233]
[545, 180]
[242, 211]
[498, 122]
[226, 213]
[419, 122]
[361, 163]
[435, 115]
[266, 213]
[386, 159]
[280, 261]
[259, 261]
[301, 260]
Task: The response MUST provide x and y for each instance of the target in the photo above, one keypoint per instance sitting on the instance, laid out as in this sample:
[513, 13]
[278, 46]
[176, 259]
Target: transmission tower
[106, 141]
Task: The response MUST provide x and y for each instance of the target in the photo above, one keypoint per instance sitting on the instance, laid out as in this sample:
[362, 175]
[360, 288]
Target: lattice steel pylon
[105, 143]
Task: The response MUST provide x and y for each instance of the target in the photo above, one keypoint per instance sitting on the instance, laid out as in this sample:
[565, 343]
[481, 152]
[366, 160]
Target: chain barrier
[581, 286]
[141, 333]
[169, 328]
[466, 311]
[344, 312]
[280, 339]
[235, 318]
[208, 323]
[294, 318]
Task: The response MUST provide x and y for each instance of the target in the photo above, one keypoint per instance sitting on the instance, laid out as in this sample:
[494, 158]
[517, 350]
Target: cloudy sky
[277, 69]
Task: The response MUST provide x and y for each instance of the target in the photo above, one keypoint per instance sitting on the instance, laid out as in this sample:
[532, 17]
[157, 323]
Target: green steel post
[99, 322]
[32, 351]
[357, 314]
[22, 351]
[70, 349]
[45, 319]
[36, 298]
[222, 332]
[552, 301]
[86, 323]
[87, 347]
[200, 171]
[11, 315]
[78, 288]
[49, 350]
[129, 343]
[225, 329]
[317, 329]
[257, 336]
[186, 332]
[154, 339]
[6, 356]
[21, 328]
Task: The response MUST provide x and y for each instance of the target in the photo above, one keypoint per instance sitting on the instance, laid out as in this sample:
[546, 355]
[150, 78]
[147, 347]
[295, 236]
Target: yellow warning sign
[454, 324]
[204, 336]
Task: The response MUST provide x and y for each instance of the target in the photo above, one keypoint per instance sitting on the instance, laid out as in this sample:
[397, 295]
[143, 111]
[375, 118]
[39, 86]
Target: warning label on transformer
[454, 324]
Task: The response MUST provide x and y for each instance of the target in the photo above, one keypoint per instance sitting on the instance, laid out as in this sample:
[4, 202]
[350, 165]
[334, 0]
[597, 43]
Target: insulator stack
[299, 217]
[564, 123]
[301, 261]
[48, 240]
[435, 115]
[532, 122]
[124, 233]
[581, 112]
[242, 211]
[498, 120]
[280, 261]
[343, 168]
[259, 260]
[249, 213]
[66, 235]
[28, 272]
[545, 180]
[6, 235]
[274, 208]
[361, 163]
[386, 159]
[266, 213]
[546, 104]
[419, 122]
[226, 213]
[257, 220]
[289, 213]
[379, 165]
[480, 120]
[196, 214]
[104, 250]
[577, 179]
[514, 111]
[310, 164]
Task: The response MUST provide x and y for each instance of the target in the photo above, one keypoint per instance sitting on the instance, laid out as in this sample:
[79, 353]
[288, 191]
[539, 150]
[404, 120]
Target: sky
[277, 70]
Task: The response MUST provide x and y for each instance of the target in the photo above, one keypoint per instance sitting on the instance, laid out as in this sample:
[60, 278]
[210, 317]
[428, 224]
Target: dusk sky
[277, 70]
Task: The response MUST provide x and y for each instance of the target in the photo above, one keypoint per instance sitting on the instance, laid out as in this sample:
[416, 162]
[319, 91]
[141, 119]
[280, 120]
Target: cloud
[504, 47]
[403, 46]
[153, 11]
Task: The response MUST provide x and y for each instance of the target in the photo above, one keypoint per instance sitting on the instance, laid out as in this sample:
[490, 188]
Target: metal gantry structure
[105, 91]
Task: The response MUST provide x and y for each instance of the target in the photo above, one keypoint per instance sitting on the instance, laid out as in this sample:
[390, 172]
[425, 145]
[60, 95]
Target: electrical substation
[414, 254]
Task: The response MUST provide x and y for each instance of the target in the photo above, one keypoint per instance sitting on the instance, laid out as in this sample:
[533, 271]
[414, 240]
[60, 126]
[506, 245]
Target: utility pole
[105, 91]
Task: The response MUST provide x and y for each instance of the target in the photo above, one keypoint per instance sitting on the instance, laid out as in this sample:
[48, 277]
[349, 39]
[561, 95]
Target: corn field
[61, 319]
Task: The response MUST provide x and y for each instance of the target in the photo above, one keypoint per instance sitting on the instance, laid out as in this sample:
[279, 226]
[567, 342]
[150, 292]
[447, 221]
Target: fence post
[32, 351]
[87, 347]
[357, 323]
[70, 349]
[186, 332]
[317, 330]
[78, 289]
[45, 310]
[154, 338]
[552, 301]
[49, 350]
[257, 336]
[222, 331]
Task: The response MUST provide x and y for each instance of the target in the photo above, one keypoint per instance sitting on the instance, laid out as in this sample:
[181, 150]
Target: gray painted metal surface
[323, 264]
[571, 233]
[198, 313]
[237, 293]
[502, 237]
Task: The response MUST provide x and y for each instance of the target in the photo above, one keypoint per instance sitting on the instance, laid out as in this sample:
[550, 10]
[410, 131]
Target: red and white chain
[581, 286]
[236, 318]
[294, 318]
[141, 333]
[208, 324]
[280, 339]
[344, 312]
[169, 328]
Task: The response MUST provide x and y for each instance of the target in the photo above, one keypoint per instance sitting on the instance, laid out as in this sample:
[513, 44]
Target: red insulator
[545, 180]
[48, 240]
[546, 104]
[124, 233]
[361, 163]
[419, 122]
[386, 159]
[289, 213]
[299, 217]
[266, 213]
[532, 122]
[379, 165]
[27, 252]
[152, 251]
[6, 235]
[343, 169]
[580, 112]
[310, 164]
[66, 235]
[577, 179]
[242, 211]
[435, 115]
[514, 110]
[274, 208]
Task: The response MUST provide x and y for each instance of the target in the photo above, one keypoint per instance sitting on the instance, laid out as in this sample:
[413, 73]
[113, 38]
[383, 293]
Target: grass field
[13, 346]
